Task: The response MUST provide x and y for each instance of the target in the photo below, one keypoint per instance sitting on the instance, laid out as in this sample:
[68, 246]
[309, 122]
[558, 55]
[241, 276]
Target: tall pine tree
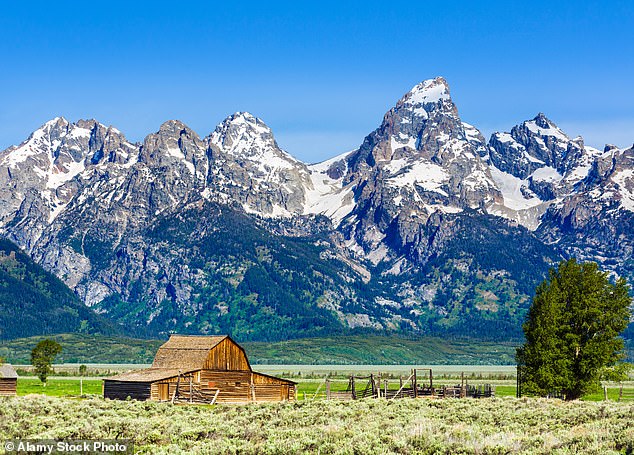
[572, 330]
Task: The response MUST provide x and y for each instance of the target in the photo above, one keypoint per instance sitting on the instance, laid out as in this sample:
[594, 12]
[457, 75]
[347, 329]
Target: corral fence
[626, 394]
[419, 384]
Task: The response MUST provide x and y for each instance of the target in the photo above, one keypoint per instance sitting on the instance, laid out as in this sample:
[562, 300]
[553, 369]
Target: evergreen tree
[42, 357]
[572, 330]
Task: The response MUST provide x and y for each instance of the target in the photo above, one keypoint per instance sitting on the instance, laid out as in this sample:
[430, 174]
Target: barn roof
[7, 371]
[185, 352]
[148, 375]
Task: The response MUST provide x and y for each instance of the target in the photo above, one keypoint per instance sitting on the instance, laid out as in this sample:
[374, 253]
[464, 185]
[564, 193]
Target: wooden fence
[626, 394]
[415, 386]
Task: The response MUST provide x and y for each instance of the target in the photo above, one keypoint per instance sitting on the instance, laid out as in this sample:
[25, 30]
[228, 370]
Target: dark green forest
[35, 302]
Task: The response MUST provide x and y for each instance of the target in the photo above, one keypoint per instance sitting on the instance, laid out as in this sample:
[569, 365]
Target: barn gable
[189, 353]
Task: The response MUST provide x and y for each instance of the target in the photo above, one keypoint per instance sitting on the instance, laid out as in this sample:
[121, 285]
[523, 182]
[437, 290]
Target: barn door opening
[163, 392]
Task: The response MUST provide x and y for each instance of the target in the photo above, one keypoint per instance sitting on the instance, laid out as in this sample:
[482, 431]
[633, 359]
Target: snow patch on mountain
[472, 133]
[425, 174]
[547, 174]
[326, 195]
[514, 190]
[625, 182]
[59, 175]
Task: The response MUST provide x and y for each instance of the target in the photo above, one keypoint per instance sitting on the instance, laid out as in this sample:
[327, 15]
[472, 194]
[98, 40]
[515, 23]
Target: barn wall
[120, 390]
[235, 386]
[227, 356]
[274, 392]
[269, 388]
[154, 390]
[8, 387]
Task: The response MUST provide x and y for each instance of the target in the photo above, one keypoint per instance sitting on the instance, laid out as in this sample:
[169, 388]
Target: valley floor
[371, 426]
[308, 388]
[342, 350]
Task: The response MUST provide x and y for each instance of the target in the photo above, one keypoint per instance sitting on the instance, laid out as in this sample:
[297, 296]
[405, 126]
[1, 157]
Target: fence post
[354, 392]
[605, 393]
[415, 384]
[178, 381]
[327, 389]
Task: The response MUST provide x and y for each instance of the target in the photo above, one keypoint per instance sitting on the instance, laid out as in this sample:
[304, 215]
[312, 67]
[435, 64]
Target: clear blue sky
[321, 74]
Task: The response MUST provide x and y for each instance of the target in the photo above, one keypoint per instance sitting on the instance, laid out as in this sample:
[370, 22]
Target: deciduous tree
[42, 357]
[572, 330]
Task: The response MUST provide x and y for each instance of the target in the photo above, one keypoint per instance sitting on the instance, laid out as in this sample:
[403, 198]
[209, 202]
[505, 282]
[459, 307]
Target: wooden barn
[8, 380]
[200, 369]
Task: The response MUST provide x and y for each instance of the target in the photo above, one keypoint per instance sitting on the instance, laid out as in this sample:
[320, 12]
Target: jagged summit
[245, 116]
[243, 134]
[541, 120]
[245, 120]
[542, 125]
[428, 91]
[173, 125]
[535, 164]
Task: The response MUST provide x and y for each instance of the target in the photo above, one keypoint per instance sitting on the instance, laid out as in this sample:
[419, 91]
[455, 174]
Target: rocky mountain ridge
[392, 232]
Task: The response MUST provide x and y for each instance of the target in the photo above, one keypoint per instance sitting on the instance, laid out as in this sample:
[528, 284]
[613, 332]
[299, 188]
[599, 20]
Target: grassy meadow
[309, 389]
[59, 387]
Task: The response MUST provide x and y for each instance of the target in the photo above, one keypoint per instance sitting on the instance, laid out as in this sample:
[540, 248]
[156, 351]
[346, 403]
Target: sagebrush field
[452, 426]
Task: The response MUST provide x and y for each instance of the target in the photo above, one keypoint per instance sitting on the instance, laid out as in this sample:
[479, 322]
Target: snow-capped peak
[55, 121]
[239, 131]
[44, 141]
[543, 126]
[246, 124]
[428, 91]
[243, 135]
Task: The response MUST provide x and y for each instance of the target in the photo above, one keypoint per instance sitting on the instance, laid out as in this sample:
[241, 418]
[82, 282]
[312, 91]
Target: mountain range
[426, 228]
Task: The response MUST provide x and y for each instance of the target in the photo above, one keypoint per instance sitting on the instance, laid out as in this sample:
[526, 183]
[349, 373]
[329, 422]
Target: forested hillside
[35, 302]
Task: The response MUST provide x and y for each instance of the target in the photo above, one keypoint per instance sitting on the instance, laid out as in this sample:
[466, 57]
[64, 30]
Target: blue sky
[320, 74]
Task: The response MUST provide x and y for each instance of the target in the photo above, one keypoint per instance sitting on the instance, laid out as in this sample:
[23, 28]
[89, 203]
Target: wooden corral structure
[625, 394]
[8, 380]
[199, 369]
[419, 384]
